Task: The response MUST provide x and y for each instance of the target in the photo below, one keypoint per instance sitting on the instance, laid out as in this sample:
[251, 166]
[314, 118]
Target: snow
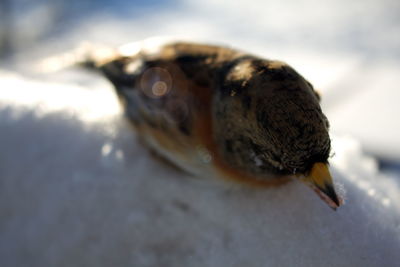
[78, 189]
[373, 117]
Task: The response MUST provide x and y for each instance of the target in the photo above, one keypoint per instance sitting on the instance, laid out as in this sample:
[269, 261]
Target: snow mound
[76, 189]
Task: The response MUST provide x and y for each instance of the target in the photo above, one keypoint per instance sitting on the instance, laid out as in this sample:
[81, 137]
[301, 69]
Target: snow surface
[77, 189]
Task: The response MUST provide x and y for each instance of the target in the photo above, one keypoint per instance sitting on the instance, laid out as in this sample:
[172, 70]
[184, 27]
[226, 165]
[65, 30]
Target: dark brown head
[268, 121]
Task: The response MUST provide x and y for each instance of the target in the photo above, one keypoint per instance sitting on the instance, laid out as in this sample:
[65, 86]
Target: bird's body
[218, 112]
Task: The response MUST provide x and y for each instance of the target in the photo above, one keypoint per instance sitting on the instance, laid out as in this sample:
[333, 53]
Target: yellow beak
[320, 181]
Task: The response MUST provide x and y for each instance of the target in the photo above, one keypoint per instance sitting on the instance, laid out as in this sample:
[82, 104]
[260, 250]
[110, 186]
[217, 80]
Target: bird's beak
[320, 181]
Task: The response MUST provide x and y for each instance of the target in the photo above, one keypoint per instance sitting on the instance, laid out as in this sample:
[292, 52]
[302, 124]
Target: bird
[221, 112]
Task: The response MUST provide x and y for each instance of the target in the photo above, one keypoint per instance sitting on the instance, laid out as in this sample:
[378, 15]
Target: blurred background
[349, 50]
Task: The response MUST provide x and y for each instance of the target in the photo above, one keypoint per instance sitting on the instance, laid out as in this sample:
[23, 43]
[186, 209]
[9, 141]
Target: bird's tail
[88, 56]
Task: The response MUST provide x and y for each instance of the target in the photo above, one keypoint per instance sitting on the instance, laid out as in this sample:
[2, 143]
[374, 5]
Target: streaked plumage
[216, 111]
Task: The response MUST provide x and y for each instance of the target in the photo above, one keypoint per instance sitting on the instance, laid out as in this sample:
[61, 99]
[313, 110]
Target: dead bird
[219, 112]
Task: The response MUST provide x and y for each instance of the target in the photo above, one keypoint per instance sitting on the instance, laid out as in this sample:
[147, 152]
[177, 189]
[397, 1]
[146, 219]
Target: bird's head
[269, 123]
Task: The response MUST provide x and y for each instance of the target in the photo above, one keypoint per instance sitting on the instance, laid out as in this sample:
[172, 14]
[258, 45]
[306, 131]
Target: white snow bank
[76, 189]
[367, 106]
